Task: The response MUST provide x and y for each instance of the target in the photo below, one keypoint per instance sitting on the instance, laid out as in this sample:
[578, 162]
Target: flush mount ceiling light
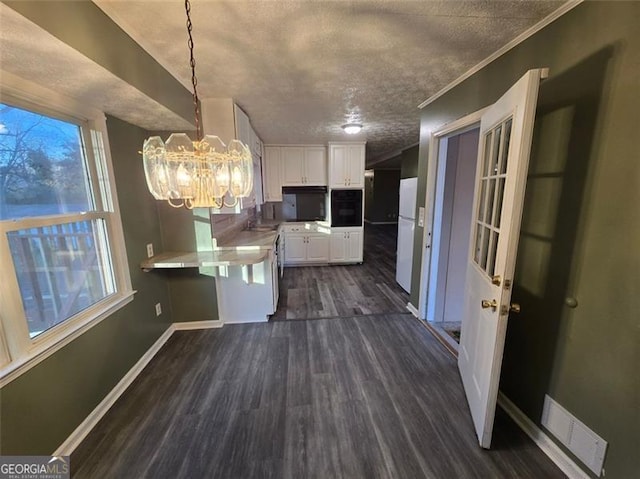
[352, 128]
[201, 173]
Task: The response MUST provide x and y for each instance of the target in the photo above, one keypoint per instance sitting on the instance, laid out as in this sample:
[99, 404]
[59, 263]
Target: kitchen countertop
[246, 247]
[205, 259]
[248, 240]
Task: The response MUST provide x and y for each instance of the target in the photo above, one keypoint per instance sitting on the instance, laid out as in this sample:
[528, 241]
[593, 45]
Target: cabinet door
[272, 174]
[355, 166]
[243, 127]
[354, 246]
[318, 248]
[338, 250]
[338, 156]
[315, 162]
[292, 166]
[295, 248]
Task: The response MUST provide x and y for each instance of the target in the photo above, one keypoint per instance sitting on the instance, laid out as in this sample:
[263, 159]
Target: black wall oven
[346, 207]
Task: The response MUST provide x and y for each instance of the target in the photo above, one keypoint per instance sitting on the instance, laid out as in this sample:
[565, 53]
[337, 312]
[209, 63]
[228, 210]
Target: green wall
[409, 166]
[581, 223]
[193, 291]
[42, 407]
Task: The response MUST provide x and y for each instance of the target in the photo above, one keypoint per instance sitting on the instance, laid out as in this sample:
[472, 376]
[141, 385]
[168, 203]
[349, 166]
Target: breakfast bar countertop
[205, 259]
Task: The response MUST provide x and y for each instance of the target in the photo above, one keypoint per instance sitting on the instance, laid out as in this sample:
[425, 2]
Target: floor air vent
[577, 437]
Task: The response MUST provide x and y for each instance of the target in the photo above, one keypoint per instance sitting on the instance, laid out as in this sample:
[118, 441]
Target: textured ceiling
[27, 51]
[301, 68]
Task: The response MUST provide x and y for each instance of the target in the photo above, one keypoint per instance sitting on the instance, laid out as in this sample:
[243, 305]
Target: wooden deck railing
[59, 272]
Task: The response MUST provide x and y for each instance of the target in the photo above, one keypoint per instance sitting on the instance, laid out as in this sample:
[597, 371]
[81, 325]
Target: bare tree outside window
[42, 168]
[60, 267]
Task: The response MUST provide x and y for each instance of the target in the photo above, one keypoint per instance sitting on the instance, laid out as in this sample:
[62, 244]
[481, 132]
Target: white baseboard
[246, 320]
[412, 309]
[85, 427]
[76, 437]
[190, 325]
[550, 448]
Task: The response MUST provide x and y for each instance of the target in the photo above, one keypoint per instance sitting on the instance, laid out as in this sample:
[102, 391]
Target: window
[492, 180]
[61, 245]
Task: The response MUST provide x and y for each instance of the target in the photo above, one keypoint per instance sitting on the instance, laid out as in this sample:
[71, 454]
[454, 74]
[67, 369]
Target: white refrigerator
[406, 226]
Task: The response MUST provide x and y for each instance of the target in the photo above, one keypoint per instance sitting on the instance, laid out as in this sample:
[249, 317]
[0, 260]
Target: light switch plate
[150, 250]
[158, 309]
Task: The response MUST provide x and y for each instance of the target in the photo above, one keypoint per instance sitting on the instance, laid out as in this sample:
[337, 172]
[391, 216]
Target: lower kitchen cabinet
[248, 293]
[306, 248]
[346, 245]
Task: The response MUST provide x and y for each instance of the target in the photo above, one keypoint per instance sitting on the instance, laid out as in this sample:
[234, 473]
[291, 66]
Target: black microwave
[346, 207]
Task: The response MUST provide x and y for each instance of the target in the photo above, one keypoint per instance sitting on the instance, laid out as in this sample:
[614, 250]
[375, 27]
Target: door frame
[436, 162]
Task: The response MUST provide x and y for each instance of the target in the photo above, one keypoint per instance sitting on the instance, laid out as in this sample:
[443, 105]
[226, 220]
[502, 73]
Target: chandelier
[197, 174]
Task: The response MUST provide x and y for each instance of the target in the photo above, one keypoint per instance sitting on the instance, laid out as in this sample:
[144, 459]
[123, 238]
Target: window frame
[18, 351]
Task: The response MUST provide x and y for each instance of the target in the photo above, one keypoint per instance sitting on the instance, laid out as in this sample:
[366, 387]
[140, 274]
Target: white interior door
[505, 140]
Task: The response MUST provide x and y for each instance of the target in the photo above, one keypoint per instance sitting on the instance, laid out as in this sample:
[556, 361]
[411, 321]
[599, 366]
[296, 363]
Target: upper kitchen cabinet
[272, 177]
[346, 165]
[223, 118]
[243, 127]
[304, 165]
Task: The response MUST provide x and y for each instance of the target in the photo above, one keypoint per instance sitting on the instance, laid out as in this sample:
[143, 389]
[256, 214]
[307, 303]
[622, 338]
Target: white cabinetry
[346, 165]
[295, 248]
[223, 118]
[292, 165]
[262, 291]
[243, 127]
[317, 247]
[272, 168]
[304, 165]
[305, 243]
[315, 165]
[346, 245]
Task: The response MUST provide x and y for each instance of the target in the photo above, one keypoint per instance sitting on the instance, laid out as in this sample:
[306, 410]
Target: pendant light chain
[197, 174]
[194, 80]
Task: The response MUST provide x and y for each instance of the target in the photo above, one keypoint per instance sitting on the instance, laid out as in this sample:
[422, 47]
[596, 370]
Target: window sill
[48, 346]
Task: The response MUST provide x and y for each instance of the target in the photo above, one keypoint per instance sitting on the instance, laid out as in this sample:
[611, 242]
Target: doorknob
[493, 304]
[496, 280]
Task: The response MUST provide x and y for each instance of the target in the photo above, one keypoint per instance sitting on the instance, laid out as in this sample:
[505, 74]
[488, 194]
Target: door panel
[295, 248]
[355, 166]
[338, 246]
[318, 248]
[505, 132]
[354, 246]
[337, 169]
[315, 159]
[292, 166]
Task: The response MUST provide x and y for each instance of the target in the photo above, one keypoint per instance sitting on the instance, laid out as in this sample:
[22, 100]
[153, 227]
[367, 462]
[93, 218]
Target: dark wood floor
[311, 292]
[365, 396]
[362, 397]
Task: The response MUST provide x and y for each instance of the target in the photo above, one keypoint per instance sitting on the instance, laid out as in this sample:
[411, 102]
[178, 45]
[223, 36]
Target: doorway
[449, 212]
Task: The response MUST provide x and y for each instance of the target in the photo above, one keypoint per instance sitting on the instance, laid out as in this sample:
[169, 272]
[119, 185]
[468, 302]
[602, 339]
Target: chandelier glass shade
[201, 173]
[197, 174]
